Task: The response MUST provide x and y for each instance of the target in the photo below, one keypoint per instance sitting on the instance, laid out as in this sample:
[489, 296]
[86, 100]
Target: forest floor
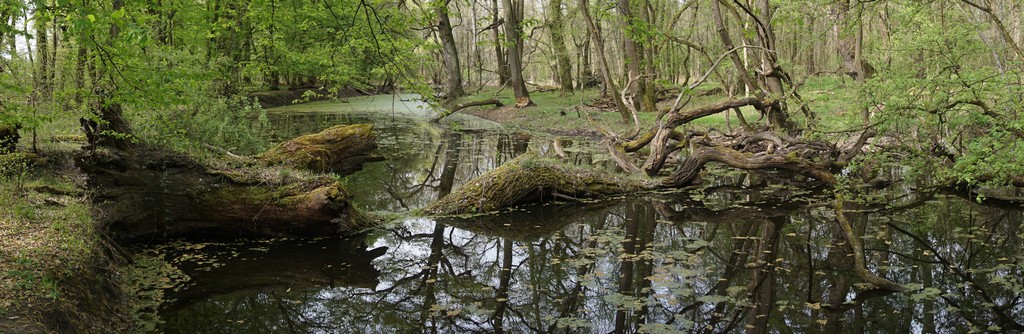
[49, 247]
[577, 113]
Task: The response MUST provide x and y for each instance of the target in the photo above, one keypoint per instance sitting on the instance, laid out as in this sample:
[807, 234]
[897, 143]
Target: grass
[830, 97]
[46, 232]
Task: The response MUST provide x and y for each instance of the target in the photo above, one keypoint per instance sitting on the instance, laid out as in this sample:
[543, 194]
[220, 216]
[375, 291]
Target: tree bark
[42, 89]
[341, 149]
[449, 51]
[636, 78]
[851, 44]
[557, 30]
[179, 197]
[606, 72]
[514, 38]
[529, 178]
[499, 53]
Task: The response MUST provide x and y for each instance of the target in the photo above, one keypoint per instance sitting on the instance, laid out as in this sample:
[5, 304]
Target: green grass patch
[46, 233]
[832, 98]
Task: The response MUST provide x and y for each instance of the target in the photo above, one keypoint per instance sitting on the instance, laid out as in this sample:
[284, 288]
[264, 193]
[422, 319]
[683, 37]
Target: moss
[529, 178]
[323, 151]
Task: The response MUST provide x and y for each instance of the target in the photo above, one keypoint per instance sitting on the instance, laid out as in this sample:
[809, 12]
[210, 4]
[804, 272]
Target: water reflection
[643, 265]
[728, 259]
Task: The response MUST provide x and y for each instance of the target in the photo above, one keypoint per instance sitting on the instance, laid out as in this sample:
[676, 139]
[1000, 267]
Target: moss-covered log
[529, 178]
[341, 149]
[278, 193]
[145, 203]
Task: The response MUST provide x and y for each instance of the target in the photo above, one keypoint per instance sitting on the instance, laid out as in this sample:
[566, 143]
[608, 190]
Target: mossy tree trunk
[281, 192]
[530, 178]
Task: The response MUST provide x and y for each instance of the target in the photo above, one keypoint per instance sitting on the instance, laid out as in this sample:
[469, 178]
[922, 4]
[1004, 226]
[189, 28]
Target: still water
[745, 255]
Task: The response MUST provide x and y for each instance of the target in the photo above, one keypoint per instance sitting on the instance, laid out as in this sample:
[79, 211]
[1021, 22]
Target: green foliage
[947, 99]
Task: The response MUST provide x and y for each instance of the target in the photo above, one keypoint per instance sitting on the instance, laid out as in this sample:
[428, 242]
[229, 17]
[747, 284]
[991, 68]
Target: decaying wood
[278, 193]
[531, 179]
[476, 103]
[341, 149]
[690, 167]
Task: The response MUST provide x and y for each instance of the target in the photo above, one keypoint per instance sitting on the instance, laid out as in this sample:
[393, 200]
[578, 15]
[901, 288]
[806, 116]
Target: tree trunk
[341, 149]
[777, 116]
[449, 52]
[635, 78]
[42, 83]
[188, 198]
[557, 31]
[499, 53]
[109, 129]
[606, 73]
[851, 44]
[514, 38]
[529, 179]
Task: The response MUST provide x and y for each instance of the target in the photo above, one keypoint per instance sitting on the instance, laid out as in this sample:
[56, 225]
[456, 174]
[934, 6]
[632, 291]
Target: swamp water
[742, 256]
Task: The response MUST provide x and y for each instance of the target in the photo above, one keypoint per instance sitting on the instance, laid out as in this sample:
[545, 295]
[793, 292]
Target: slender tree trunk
[475, 43]
[557, 31]
[777, 116]
[850, 41]
[514, 38]
[606, 73]
[648, 98]
[635, 77]
[52, 81]
[42, 78]
[499, 53]
[449, 51]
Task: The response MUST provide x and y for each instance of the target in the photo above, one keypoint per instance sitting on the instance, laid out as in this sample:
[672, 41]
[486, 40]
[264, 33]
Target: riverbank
[57, 273]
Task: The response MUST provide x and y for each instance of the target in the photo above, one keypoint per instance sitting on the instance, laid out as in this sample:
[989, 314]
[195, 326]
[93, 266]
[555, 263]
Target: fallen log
[529, 178]
[455, 109]
[341, 149]
[690, 167]
[278, 193]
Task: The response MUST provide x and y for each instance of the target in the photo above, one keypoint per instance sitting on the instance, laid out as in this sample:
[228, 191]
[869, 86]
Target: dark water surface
[745, 256]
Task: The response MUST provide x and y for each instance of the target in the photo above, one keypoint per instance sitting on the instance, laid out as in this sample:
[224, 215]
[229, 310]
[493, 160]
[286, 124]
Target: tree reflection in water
[759, 259]
[654, 264]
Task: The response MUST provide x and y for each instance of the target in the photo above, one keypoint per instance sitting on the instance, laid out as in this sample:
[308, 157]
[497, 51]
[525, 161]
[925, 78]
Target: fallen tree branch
[483, 102]
[690, 167]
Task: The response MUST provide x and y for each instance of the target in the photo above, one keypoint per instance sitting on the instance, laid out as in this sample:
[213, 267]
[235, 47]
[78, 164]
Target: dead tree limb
[483, 102]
